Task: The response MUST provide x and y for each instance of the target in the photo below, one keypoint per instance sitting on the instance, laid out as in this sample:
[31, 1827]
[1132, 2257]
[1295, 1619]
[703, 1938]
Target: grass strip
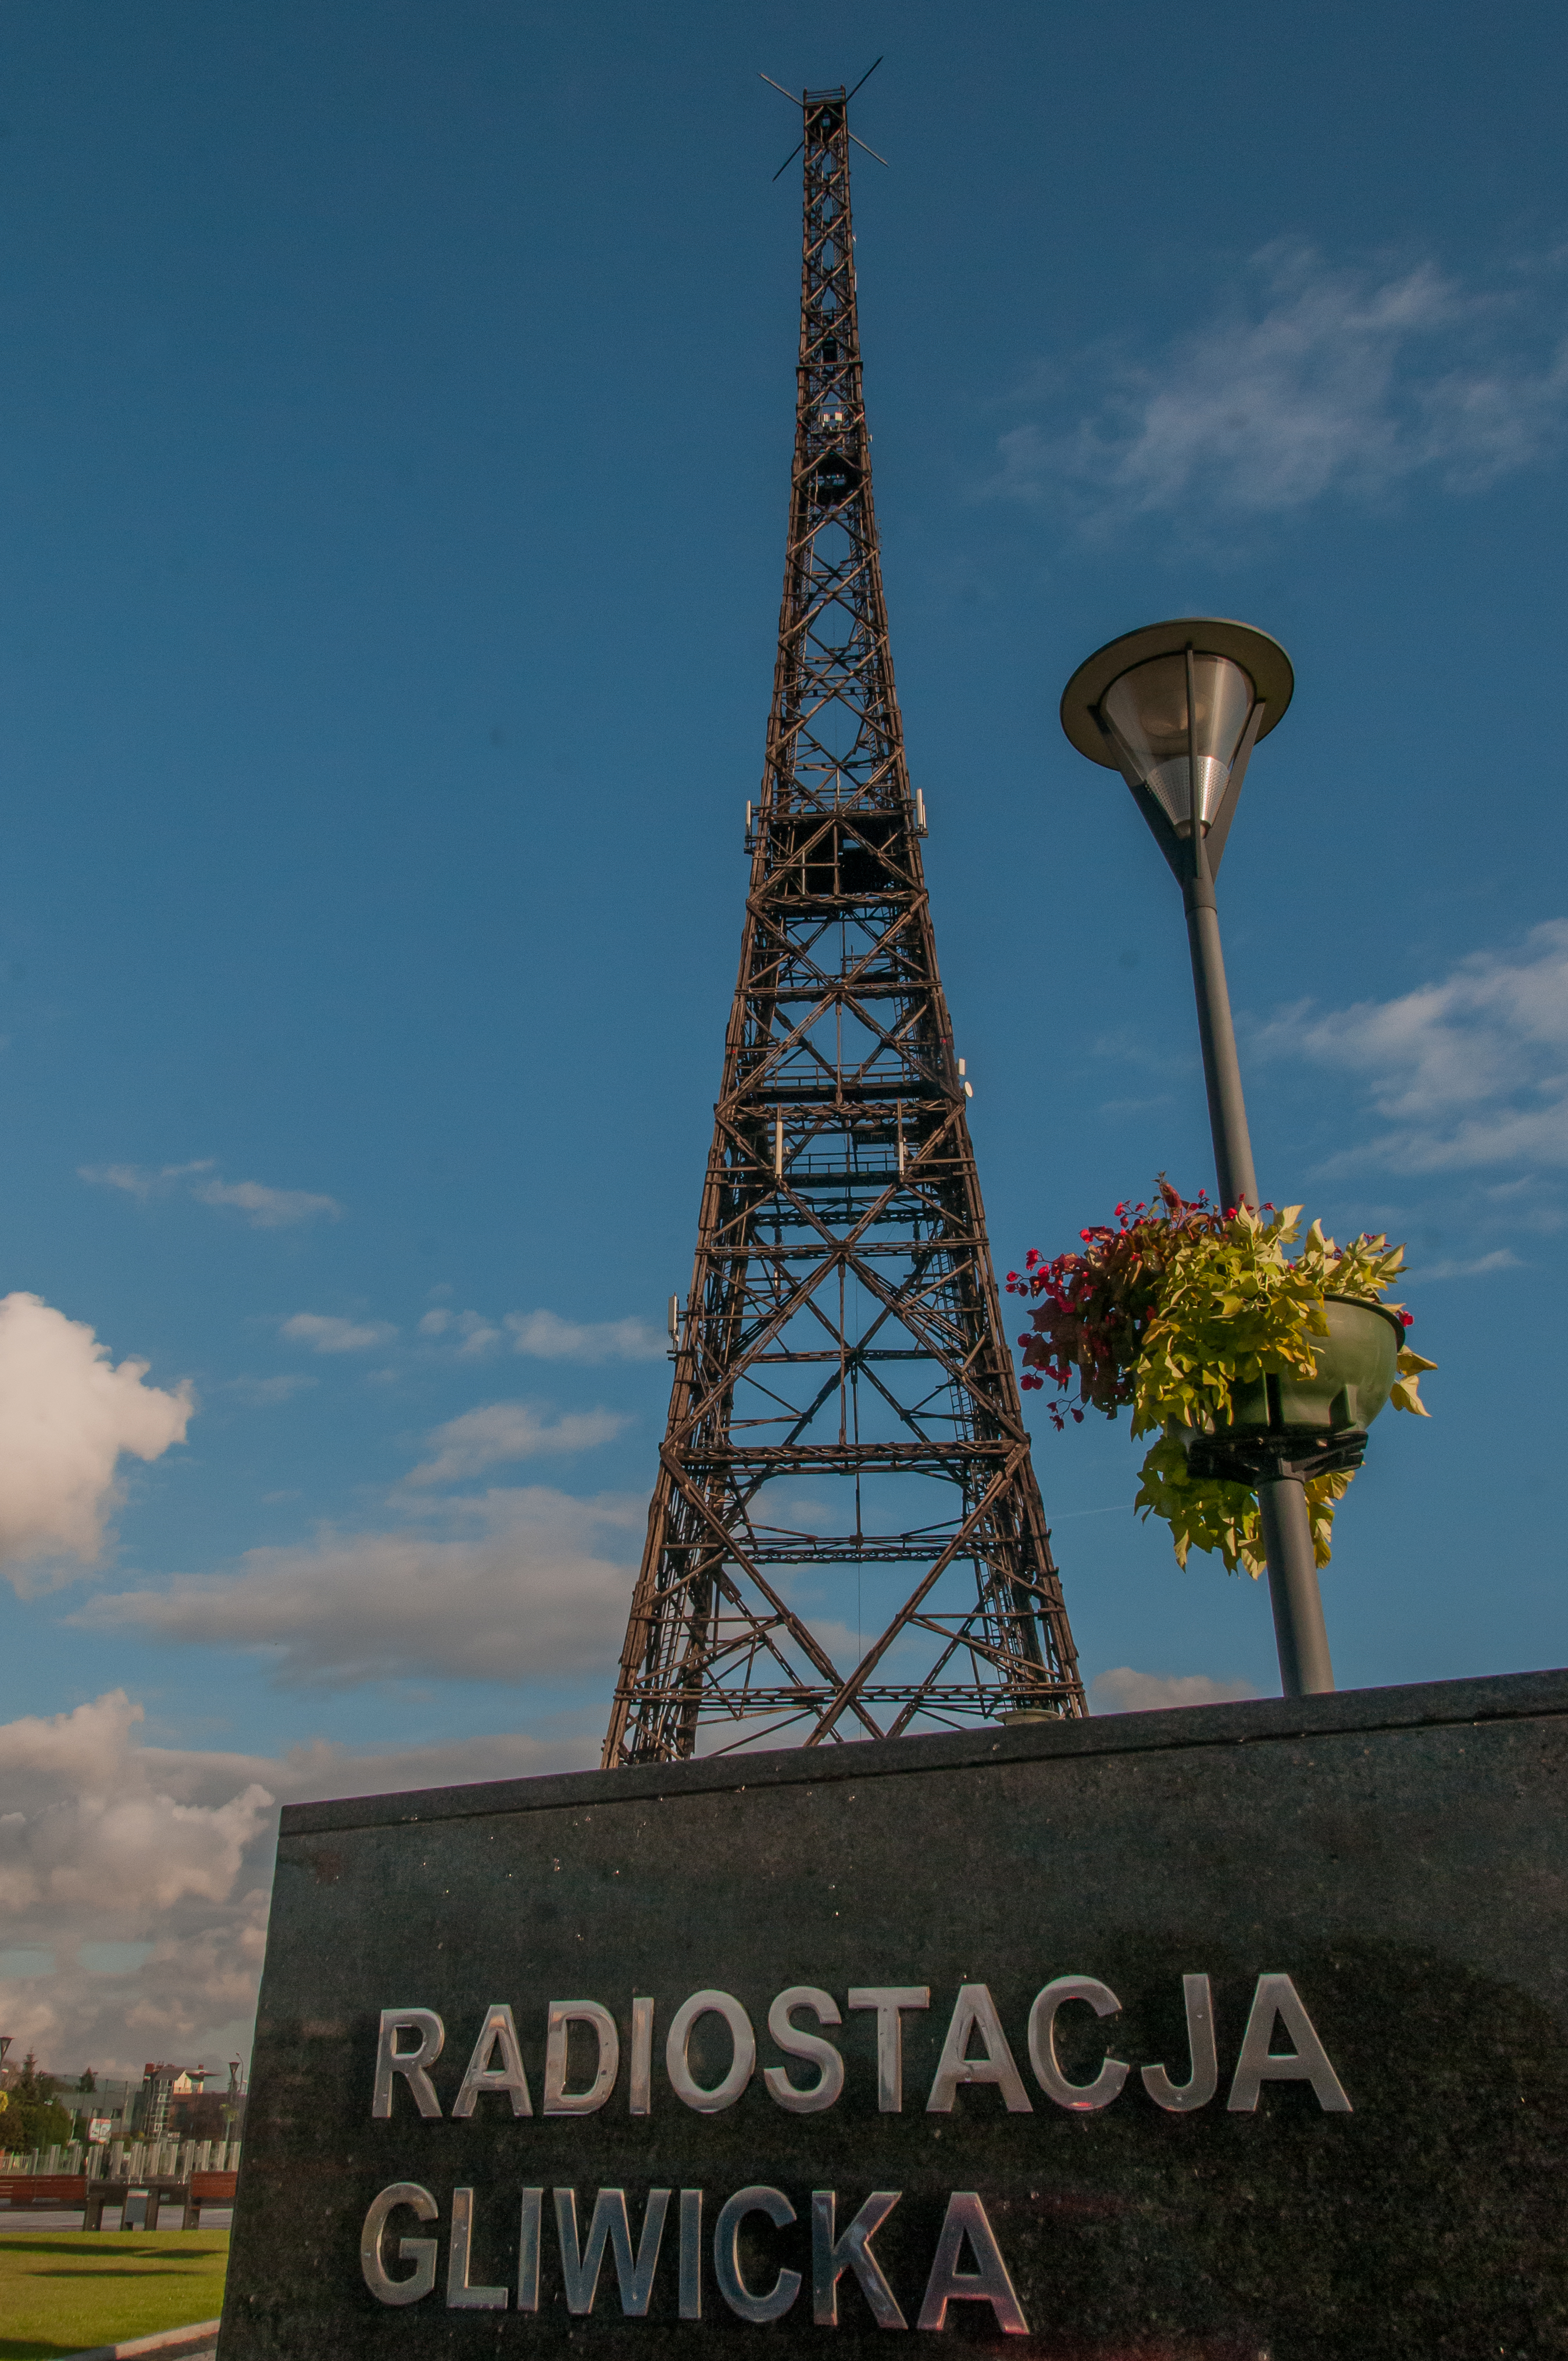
[65, 2291]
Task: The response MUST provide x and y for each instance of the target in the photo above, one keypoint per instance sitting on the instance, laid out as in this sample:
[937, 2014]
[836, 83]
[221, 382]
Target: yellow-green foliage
[1234, 1308]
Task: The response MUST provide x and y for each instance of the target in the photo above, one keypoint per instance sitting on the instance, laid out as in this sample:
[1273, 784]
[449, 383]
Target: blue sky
[397, 407]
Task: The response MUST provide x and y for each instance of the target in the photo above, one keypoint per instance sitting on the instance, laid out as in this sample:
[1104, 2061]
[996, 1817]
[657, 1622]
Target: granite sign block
[1195, 2037]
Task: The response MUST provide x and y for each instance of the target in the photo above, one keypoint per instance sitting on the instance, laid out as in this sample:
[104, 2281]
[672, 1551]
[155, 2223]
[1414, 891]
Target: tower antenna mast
[846, 1538]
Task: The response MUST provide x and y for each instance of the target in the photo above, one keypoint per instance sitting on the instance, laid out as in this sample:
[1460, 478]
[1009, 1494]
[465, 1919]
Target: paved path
[197, 2343]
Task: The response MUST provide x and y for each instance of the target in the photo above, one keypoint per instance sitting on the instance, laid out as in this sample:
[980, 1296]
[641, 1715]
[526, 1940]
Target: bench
[207, 2189]
[74, 2189]
[45, 2188]
[159, 2189]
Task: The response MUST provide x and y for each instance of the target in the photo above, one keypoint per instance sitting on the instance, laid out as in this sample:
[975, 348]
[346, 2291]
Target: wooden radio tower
[846, 1538]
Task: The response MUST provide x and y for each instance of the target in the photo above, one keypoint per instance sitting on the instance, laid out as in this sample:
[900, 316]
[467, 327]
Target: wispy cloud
[468, 1333]
[324, 1333]
[260, 1393]
[1479, 1266]
[501, 1431]
[1466, 1072]
[545, 1336]
[1122, 1690]
[520, 1586]
[264, 1208]
[1135, 1106]
[141, 1180]
[1307, 380]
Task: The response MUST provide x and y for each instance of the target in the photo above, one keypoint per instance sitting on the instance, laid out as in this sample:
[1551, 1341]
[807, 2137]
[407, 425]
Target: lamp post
[1178, 708]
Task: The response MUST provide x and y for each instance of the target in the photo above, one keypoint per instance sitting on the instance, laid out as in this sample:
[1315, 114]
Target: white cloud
[323, 1333]
[535, 1589]
[1122, 1690]
[99, 1849]
[1309, 381]
[1469, 1071]
[505, 1431]
[1501, 1258]
[475, 1335]
[121, 1847]
[137, 1179]
[1135, 1106]
[265, 1208]
[68, 1413]
[262, 1393]
[547, 1337]
[133, 1878]
[323, 1768]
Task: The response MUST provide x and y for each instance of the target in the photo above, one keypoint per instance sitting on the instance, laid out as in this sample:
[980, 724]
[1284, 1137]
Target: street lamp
[1178, 708]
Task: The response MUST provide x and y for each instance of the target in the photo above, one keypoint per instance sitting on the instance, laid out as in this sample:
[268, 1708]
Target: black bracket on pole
[1254, 1456]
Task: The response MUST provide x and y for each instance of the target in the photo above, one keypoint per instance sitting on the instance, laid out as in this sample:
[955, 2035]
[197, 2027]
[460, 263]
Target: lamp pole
[1222, 1067]
[1300, 1634]
[1166, 705]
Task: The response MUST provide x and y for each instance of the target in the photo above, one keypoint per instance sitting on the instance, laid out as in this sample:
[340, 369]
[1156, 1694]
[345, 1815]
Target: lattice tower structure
[846, 1538]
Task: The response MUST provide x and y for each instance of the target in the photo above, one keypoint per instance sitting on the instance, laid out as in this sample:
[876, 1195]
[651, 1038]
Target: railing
[120, 2160]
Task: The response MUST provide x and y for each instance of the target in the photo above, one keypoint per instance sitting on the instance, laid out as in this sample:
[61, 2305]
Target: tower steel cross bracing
[844, 1406]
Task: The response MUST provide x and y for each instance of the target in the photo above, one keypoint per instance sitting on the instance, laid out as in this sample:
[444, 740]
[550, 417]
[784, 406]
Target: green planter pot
[1358, 1367]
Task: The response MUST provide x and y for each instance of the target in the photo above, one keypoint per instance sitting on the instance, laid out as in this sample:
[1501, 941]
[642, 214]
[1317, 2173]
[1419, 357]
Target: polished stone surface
[1400, 1854]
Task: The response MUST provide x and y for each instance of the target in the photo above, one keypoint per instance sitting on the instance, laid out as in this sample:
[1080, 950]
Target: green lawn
[62, 2291]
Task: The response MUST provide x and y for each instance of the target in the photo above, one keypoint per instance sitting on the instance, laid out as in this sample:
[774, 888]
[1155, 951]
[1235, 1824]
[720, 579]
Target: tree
[33, 2117]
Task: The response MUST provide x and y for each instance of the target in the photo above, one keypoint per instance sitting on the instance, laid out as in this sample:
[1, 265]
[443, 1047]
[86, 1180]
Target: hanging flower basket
[1356, 1368]
[1236, 1356]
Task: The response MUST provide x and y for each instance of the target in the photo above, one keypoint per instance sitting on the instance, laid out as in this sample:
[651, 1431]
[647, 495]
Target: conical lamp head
[1128, 704]
[1148, 708]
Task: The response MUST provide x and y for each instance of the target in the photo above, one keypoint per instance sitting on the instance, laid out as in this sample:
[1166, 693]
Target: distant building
[170, 2101]
[157, 2090]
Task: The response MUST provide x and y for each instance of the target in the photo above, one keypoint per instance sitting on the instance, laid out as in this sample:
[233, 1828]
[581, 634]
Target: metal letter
[724, 2093]
[1043, 2044]
[528, 2251]
[635, 2280]
[563, 2016]
[639, 2098]
[796, 2044]
[421, 2252]
[990, 2284]
[580, 2270]
[691, 2253]
[890, 2000]
[509, 2076]
[580, 2287]
[1277, 1997]
[410, 2063]
[726, 2255]
[1204, 2080]
[460, 2296]
[830, 2258]
[975, 2010]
